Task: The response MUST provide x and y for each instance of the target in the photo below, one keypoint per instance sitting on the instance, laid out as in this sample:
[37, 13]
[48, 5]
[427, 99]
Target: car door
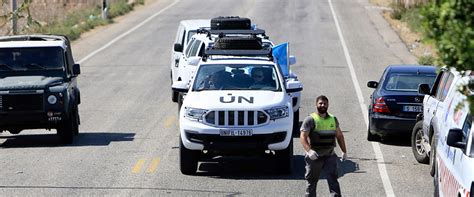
[439, 120]
[191, 51]
[431, 101]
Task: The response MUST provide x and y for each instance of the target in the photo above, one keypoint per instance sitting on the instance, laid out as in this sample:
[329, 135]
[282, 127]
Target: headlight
[52, 99]
[277, 112]
[195, 113]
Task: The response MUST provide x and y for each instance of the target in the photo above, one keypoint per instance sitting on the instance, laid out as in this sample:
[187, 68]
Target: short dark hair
[322, 97]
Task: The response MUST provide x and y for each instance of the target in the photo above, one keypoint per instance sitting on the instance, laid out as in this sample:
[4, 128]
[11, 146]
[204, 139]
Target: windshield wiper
[6, 67]
[35, 65]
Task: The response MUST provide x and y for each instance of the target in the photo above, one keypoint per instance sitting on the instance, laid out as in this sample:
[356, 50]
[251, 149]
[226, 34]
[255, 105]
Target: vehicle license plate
[236, 132]
[410, 108]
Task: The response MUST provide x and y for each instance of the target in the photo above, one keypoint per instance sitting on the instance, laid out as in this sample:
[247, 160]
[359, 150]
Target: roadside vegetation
[74, 24]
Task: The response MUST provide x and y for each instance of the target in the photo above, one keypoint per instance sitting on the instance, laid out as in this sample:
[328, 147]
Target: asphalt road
[128, 142]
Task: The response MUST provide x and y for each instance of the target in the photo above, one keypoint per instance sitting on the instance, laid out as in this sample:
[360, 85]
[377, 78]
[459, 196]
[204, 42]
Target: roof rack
[37, 37]
[224, 32]
[254, 53]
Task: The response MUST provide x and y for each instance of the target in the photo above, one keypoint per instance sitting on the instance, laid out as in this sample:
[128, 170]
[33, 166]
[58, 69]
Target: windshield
[34, 59]
[408, 81]
[236, 77]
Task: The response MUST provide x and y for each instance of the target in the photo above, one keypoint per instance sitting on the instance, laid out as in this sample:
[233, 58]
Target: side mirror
[292, 60]
[455, 139]
[372, 84]
[180, 86]
[76, 69]
[424, 88]
[293, 86]
[194, 61]
[178, 47]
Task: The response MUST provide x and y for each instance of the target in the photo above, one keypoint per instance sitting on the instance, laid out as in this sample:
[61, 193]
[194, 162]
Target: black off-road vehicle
[38, 85]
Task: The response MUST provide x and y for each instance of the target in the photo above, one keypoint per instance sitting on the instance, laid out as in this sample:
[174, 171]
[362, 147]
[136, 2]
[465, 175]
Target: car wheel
[433, 156]
[174, 96]
[69, 128]
[372, 137]
[284, 159]
[417, 141]
[188, 159]
[436, 183]
[296, 123]
[180, 101]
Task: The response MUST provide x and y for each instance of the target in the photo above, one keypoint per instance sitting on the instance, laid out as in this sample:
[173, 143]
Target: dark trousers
[313, 170]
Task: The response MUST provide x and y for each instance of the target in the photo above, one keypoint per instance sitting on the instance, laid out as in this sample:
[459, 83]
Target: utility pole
[14, 17]
[105, 9]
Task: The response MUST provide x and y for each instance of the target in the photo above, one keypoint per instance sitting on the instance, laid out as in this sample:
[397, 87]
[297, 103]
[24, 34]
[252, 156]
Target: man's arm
[340, 140]
[304, 137]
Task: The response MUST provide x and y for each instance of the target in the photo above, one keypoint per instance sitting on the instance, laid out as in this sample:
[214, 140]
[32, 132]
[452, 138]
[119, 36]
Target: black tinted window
[31, 59]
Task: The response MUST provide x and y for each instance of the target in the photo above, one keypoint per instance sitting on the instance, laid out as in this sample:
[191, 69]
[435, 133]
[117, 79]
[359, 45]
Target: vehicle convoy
[38, 85]
[453, 151]
[238, 35]
[180, 68]
[435, 105]
[395, 102]
[237, 104]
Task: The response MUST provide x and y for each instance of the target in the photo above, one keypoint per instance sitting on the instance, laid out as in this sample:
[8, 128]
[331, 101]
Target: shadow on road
[397, 141]
[255, 168]
[52, 140]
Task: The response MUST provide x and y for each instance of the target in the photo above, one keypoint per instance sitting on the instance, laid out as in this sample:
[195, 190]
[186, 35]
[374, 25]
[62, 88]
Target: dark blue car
[395, 102]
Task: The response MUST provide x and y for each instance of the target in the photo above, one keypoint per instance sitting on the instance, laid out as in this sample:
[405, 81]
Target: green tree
[449, 24]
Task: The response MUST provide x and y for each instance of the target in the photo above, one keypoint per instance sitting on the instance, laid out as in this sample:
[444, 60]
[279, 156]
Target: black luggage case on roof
[230, 22]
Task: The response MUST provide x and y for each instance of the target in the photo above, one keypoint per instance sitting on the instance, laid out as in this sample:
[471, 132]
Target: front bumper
[275, 135]
[31, 120]
[384, 125]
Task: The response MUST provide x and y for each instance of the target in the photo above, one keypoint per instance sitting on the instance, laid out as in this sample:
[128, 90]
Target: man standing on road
[319, 133]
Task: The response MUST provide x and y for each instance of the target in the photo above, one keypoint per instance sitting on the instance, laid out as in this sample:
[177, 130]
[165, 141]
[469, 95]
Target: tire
[284, 159]
[180, 102]
[69, 127]
[236, 43]
[230, 22]
[433, 156]
[372, 137]
[416, 144]
[436, 183]
[174, 96]
[296, 123]
[188, 159]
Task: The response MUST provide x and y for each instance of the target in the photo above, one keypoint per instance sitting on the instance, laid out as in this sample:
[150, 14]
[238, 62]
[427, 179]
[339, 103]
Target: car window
[437, 83]
[194, 48]
[32, 59]
[190, 34]
[442, 84]
[236, 77]
[449, 81]
[466, 132]
[188, 48]
[407, 81]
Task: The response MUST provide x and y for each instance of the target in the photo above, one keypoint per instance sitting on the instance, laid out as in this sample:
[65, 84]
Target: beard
[322, 110]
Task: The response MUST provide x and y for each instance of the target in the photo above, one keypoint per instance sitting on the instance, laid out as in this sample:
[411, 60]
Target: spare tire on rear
[230, 22]
[238, 43]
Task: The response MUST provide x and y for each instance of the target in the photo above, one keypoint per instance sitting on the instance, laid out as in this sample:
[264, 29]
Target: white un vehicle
[238, 104]
[454, 149]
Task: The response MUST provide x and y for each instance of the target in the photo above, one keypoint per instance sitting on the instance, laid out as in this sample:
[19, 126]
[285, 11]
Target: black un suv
[38, 85]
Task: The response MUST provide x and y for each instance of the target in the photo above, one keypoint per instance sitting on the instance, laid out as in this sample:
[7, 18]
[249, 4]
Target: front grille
[21, 102]
[237, 118]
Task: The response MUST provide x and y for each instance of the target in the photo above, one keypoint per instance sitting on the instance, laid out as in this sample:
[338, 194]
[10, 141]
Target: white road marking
[378, 153]
[126, 33]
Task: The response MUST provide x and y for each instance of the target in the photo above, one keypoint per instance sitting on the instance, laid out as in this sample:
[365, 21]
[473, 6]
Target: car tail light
[380, 106]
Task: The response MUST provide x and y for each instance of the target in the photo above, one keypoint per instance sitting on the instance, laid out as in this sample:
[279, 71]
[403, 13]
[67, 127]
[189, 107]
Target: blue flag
[280, 55]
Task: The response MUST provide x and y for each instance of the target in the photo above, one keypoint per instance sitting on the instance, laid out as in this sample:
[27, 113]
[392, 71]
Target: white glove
[312, 154]
[343, 156]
